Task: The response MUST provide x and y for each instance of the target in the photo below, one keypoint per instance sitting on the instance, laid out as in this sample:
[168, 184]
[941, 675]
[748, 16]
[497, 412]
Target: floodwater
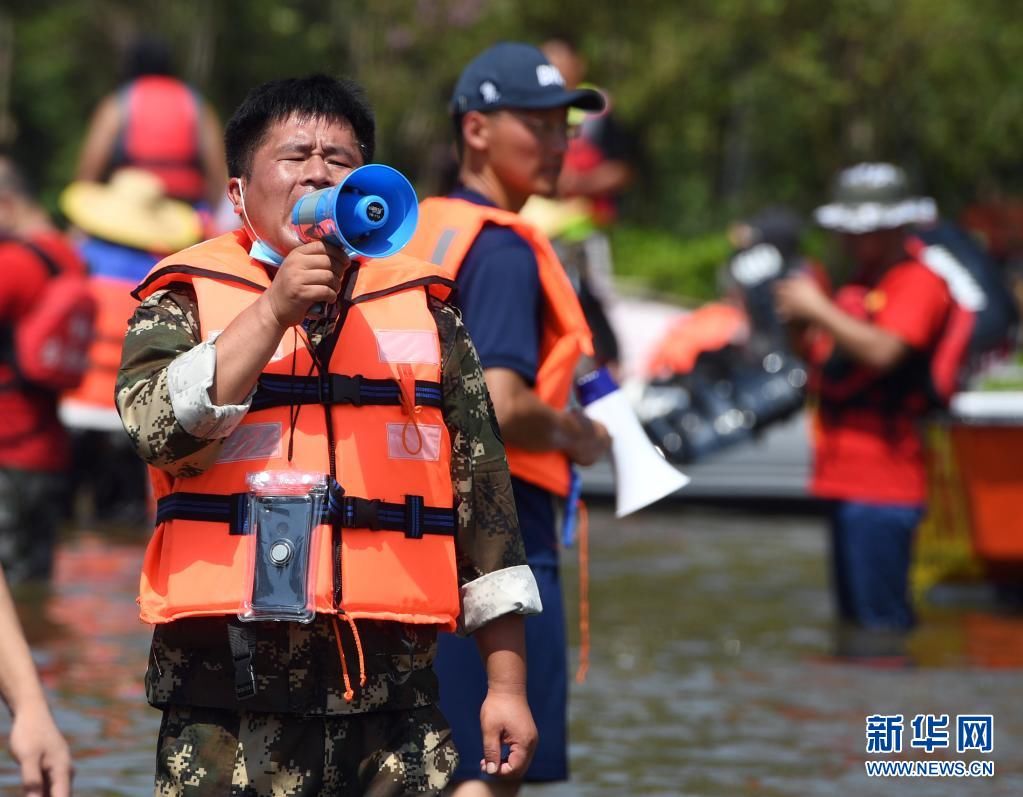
[711, 673]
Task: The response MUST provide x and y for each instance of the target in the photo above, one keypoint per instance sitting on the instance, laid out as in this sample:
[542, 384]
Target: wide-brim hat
[517, 75]
[873, 196]
[132, 210]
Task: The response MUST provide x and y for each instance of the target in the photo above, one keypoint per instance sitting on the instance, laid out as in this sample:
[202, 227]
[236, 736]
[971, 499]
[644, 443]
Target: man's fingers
[491, 762]
[517, 760]
[31, 777]
[59, 776]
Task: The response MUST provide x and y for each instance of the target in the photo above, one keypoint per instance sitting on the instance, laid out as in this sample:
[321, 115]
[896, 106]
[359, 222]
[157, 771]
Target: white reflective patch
[252, 441]
[961, 283]
[413, 441]
[757, 264]
[408, 346]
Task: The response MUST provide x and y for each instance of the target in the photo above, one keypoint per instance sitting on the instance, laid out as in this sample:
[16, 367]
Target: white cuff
[189, 378]
[512, 590]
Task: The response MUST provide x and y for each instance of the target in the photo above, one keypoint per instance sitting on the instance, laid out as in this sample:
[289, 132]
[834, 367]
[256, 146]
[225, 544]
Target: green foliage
[734, 103]
[685, 268]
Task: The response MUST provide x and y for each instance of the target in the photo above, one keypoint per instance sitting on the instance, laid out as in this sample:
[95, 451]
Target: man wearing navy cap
[510, 109]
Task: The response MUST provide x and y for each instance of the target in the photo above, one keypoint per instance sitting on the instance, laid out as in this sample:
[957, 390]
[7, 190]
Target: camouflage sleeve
[492, 569]
[163, 328]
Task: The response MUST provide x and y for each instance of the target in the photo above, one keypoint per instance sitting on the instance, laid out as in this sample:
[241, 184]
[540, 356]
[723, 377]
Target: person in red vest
[870, 360]
[509, 107]
[34, 448]
[154, 121]
[227, 384]
[35, 741]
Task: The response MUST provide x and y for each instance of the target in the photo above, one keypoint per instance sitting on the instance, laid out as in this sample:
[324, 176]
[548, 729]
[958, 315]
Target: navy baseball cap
[516, 75]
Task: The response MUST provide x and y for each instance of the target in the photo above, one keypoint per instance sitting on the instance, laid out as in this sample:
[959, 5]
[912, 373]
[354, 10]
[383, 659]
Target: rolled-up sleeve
[493, 575]
[160, 395]
[189, 379]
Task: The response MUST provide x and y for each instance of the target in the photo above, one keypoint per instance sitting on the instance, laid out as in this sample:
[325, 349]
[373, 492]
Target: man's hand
[505, 719]
[311, 273]
[41, 751]
[800, 298]
[585, 441]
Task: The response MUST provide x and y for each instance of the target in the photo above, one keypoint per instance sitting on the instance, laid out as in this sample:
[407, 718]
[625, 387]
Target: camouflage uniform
[299, 709]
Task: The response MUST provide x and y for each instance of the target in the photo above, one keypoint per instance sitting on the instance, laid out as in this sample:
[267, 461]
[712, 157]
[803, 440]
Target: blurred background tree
[734, 103]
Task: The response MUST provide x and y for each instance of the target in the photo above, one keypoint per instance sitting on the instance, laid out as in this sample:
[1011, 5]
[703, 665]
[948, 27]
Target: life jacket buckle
[362, 513]
[342, 390]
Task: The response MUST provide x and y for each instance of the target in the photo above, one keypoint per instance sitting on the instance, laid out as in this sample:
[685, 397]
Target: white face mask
[260, 249]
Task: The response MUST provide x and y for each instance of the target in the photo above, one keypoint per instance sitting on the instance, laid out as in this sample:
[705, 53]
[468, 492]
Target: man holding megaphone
[510, 107]
[305, 557]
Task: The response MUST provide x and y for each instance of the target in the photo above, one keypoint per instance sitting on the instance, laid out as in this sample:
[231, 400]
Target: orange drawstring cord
[583, 537]
[407, 388]
[358, 648]
[349, 692]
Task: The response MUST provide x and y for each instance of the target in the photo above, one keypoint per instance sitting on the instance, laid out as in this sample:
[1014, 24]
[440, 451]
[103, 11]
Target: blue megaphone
[371, 213]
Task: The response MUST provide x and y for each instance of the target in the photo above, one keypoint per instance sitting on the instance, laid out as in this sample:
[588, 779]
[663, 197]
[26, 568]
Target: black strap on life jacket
[281, 390]
[243, 648]
[411, 517]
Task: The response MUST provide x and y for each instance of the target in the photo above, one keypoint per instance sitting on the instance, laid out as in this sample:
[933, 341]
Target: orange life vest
[446, 231]
[391, 552]
[94, 397]
[160, 133]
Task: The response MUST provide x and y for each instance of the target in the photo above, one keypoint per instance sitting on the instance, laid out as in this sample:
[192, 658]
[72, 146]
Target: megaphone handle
[575, 489]
[322, 309]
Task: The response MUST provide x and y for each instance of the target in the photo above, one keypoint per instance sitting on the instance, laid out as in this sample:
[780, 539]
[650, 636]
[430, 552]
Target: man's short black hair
[312, 97]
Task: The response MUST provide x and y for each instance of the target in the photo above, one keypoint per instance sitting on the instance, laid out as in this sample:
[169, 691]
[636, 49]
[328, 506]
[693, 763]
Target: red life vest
[447, 229]
[46, 312]
[391, 552]
[160, 133]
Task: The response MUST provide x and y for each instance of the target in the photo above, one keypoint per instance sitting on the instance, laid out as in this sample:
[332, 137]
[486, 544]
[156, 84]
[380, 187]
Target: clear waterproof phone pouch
[285, 510]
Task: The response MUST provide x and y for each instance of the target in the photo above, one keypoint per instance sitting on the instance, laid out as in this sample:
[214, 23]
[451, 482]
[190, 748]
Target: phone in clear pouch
[283, 520]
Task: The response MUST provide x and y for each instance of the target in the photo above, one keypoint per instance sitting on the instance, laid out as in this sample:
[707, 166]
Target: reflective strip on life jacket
[387, 554]
[160, 133]
[446, 231]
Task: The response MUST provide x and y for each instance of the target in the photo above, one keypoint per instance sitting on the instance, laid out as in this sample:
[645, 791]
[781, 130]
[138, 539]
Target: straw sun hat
[132, 210]
[873, 196]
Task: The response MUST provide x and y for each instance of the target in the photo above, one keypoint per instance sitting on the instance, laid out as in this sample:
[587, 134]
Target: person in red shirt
[33, 445]
[869, 353]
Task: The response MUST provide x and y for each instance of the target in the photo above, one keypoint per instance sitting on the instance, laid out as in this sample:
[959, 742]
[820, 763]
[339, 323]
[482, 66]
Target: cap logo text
[548, 75]
[489, 92]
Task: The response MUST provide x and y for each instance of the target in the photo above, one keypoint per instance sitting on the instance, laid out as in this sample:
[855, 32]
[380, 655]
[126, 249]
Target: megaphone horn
[371, 213]
[642, 475]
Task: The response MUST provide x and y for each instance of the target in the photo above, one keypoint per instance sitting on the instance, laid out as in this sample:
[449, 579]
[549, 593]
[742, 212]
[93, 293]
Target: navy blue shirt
[500, 277]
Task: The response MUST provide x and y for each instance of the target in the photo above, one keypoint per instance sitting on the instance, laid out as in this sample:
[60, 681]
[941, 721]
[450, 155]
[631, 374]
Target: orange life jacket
[160, 133]
[94, 397]
[391, 553]
[446, 231]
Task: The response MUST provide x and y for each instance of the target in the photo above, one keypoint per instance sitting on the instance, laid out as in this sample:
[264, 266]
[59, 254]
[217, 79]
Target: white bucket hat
[873, 196]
